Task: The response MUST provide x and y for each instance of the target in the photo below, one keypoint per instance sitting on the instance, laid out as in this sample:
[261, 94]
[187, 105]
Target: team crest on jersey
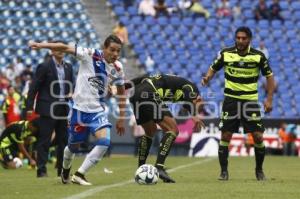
[97, 83]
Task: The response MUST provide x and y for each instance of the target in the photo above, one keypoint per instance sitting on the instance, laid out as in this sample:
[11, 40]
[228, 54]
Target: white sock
[92, 158]
[68, 158]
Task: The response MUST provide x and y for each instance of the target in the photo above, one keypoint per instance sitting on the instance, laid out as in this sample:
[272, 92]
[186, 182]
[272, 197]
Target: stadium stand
[21, 21]
[186, 46]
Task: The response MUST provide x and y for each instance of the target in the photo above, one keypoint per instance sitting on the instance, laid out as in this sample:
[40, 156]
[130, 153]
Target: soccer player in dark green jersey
[148, 102]
[242, 65]
[12, 141]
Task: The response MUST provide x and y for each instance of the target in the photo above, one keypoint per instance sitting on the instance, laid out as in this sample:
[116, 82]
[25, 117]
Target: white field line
[98, 189]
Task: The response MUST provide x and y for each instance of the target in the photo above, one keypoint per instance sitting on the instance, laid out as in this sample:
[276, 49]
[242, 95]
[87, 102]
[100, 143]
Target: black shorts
[235, 111]
[147, 105]
[8, 154]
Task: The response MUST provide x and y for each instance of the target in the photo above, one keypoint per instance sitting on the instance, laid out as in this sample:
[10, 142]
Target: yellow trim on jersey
[234, 57]
[253, 97]
[240, 87]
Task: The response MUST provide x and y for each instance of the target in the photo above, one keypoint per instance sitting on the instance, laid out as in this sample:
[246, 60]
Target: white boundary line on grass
[98, 189]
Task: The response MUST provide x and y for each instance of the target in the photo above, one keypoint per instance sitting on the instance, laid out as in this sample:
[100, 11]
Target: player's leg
[169, 127]
[223, 154]
[228, 125]
[145, 141]
[100, 127]
[77, 134]
[252, 123]
[260, 152]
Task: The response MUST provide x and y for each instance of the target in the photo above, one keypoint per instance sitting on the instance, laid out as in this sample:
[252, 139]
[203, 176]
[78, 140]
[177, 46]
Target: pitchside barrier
[205, 143]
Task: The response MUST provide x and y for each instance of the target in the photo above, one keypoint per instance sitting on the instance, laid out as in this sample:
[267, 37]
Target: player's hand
[120, 125]
[32, 163]
[204, 81]
[33, 45]
[268, 106]
[198, 123]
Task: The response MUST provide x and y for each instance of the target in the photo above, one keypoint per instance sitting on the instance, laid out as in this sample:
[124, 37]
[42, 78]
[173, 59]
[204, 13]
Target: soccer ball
[146, 174]
[18, 162]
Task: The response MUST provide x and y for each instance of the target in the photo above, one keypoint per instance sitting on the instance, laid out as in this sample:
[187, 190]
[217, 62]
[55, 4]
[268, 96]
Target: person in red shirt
[10, 106]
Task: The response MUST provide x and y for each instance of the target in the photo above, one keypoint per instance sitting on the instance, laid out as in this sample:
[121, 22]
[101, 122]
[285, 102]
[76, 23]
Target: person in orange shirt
[249, 142]
[10, 106]
[288, 136]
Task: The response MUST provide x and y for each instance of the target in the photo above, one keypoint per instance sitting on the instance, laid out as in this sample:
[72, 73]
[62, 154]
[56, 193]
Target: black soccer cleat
[164, 176]
[260, 176]
[65, 176]
[224, 176]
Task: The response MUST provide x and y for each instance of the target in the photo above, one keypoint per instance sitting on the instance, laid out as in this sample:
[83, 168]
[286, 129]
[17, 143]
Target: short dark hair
[112, 39]
[244, 29]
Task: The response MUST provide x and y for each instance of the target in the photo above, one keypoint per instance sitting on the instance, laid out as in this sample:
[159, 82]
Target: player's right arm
[216, 66]
[53, 46]
[26, 154]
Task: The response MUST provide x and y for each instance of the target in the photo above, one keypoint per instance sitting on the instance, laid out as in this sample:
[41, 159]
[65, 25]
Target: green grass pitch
[195, 178]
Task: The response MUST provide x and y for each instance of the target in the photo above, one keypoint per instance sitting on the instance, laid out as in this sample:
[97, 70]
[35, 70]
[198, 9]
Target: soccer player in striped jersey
[242, 65]
[98, 69]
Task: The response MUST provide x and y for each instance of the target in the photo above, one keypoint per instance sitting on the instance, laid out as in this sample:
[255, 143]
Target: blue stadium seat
[188, 21]
[295, 5]
[175, 21]
[150, 20]
[162, 21]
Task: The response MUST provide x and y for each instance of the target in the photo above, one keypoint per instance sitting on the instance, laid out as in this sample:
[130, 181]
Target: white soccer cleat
[80, 179]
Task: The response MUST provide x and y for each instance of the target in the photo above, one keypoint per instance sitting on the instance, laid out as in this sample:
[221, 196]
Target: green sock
[143, 150]
[164, 148]
[223, 155]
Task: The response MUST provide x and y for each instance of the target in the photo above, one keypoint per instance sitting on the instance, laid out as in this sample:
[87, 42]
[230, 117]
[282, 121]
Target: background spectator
[236, 11]
[121, 32]
[183, 6]
[161, 8]
[198, 10]
[10, 107]
[261, 11]
[224, 9]
[263, 49]
[275, 10]
[287, 135]
[146, 7]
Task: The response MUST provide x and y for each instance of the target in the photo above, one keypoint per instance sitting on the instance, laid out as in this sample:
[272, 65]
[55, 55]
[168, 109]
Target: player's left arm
[270, 83]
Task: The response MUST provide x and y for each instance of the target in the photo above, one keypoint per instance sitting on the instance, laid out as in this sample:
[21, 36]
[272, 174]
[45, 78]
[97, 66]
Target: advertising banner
[205, 143]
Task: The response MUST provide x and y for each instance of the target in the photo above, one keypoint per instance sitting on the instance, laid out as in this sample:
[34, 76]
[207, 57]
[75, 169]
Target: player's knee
[258, 137]
[73, 147]
[226, 136]
[103, 138]
[103, 142]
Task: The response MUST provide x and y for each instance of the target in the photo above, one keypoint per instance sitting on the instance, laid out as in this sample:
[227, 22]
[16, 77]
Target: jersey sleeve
[83, 53]
[16, 134]
[265, 67]
[218, 62]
